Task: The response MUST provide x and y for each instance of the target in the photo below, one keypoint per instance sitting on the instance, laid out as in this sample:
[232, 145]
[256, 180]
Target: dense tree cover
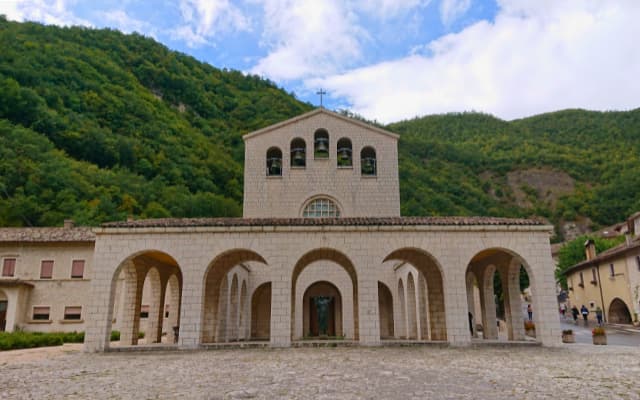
[97, 125]
[442, 158]
[573, 252]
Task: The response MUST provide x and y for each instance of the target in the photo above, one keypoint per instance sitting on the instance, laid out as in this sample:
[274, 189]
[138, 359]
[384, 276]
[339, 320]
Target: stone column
[191, 307]
[487, 303]
[368, 312]
[134, 283]
[281, 327]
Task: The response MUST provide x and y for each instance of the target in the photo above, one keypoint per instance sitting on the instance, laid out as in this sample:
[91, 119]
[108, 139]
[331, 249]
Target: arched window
[321, 144]
[274, 162]
[368, 161]
[344, 153]
[321, 207]
[298, 153]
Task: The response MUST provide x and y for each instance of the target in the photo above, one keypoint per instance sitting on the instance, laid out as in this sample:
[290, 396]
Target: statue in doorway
[322, 308]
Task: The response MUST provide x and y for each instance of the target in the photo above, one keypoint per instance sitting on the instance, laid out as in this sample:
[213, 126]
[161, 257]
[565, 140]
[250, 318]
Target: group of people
[584, 311]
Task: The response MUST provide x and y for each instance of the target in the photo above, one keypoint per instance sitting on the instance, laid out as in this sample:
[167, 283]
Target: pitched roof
[316, 112]
[43, 234]
[606, 255]
[355, 221]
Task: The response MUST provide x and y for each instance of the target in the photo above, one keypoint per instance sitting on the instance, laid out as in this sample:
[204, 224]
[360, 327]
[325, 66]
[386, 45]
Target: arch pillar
[368, 313]
[133, 285]
[510, 276]
[280, 311]
[156, 308]
[191, 307]
[487, 304]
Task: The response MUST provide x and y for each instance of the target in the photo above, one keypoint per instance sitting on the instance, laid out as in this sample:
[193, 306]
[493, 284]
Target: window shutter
[46, 269]
[77, 269]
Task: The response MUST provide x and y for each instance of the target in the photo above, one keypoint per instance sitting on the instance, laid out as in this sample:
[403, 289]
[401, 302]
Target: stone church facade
[321, 253]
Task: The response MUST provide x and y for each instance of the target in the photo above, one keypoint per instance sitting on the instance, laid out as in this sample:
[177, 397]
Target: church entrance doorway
[323, 311]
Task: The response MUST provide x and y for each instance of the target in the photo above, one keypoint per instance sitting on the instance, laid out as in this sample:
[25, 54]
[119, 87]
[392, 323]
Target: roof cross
[321, 92]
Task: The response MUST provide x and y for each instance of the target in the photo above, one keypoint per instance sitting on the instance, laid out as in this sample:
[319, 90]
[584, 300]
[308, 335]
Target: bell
[275, 167]
[345, 153]
[369, 166]
[321, 145]
[298, 156]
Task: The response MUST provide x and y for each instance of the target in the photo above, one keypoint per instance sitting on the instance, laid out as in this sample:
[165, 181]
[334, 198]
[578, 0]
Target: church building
[321, 253]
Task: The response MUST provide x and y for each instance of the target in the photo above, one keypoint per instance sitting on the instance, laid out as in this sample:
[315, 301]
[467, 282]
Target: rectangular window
[46, 269]
[9, 267]
[41, 313]
[77, 269]
[581, 284]
[612, 270]
[144, 311]
[594, 275]
[72, 313]
[638, 262]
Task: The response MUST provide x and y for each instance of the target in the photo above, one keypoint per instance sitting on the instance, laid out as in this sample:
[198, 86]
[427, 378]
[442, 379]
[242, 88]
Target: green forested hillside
[96, 125]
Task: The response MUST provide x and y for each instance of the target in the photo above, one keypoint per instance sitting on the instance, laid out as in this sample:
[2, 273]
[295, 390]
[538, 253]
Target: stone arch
[402, 322]
[619, 312]
[385, 310]
[429, 268]
[332, 305]
[368, 161]
[507, 264]
[128, 282]
[345, 264]
[261, 312]
[412, 322]
[216, 285]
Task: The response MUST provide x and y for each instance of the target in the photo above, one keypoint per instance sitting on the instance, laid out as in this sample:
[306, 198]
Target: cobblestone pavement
[569, 372]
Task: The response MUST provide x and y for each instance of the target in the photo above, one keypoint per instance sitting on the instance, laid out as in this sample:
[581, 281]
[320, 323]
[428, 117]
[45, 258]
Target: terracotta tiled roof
[608, 254]
[46, 235]
[357, 221]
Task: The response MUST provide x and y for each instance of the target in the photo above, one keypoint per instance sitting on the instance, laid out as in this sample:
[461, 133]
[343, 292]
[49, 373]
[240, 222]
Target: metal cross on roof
[321, 92]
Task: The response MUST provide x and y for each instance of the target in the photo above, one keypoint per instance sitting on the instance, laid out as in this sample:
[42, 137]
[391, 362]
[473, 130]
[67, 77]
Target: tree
[573, 252]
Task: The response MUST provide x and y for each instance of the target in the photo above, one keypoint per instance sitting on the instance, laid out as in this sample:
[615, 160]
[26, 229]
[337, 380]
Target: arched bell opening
[321, 144]
[344, 156]
[322, 311]
[368, 162]
[619, 312]
[274, 162]
[298, 153]
[504, 305]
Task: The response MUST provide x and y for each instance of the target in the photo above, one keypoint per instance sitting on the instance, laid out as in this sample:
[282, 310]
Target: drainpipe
[604, 313]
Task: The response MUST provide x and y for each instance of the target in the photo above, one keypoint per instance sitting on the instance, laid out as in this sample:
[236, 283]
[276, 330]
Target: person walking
[599, 315]
[585, 312]
[530, 312]
[563, 309]
[575, 312]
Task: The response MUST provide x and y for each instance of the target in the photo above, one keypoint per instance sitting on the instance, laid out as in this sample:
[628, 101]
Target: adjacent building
[609, 280]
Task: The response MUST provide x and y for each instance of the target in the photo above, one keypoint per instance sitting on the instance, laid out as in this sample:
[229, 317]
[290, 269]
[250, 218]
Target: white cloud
[538, 56]
[49, 12]
[389, 8]
[308, 37]
[122, 21]
[204, 19]
[450, 10]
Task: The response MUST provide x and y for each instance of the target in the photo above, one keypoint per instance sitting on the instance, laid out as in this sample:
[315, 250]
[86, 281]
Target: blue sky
[395, 59]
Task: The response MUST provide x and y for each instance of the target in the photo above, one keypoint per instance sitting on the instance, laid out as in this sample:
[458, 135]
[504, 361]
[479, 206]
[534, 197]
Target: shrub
[528, 325]
[567, 332]
[115, 336]
[598, 331]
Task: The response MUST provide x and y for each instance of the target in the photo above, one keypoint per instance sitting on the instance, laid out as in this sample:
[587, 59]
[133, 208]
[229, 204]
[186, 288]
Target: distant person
[599, 315]
[471, 322]
[530, 312]
[585, 312]
[575, 312]
[563, 309]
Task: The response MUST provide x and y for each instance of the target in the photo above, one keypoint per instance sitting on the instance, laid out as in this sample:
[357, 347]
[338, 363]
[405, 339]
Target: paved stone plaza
[569, 372]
